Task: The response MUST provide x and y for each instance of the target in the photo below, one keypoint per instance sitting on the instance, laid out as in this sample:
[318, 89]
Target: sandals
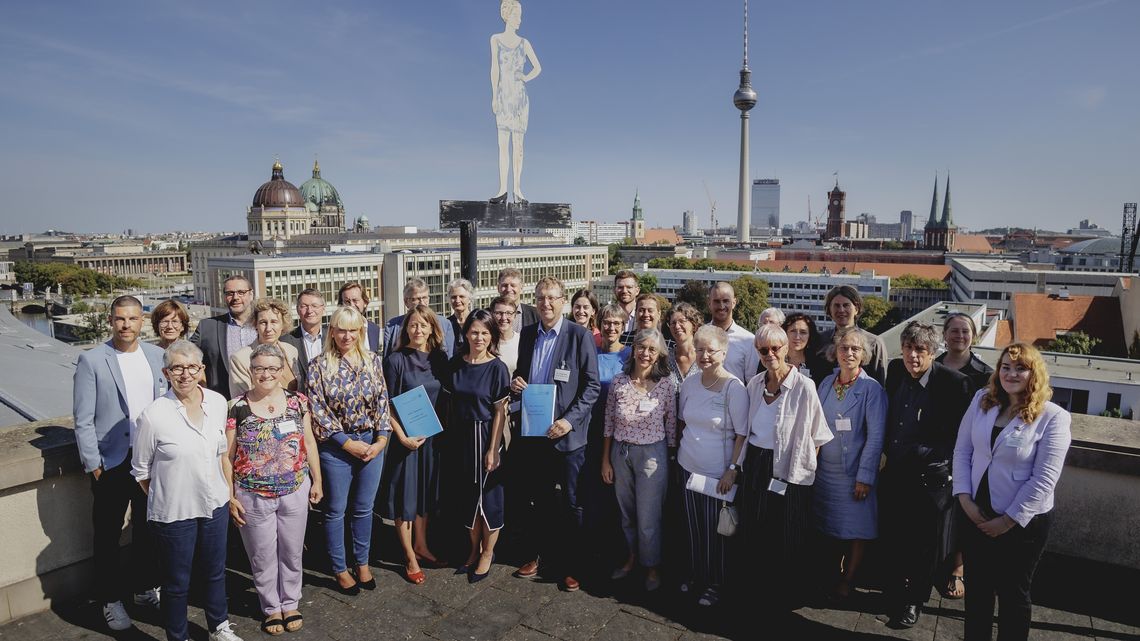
[276, 622]
[710, 597]
[294, 618]
[953, 590]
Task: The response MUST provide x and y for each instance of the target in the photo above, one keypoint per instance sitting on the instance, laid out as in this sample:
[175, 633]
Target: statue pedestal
[504, 215]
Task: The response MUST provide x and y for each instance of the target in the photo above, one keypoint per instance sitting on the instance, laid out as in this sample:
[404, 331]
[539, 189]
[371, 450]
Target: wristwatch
[733, 467]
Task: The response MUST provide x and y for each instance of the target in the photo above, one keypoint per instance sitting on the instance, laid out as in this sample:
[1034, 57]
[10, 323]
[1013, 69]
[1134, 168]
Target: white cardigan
[801, 427]
[1022, 478]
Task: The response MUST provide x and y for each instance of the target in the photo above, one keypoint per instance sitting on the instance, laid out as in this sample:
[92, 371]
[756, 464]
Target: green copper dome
[318, 191]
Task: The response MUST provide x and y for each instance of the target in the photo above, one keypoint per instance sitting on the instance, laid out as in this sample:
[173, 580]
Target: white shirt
[509, 353]
[139, 381]
[742, 359]
[313, 344]
[799, 426]
[710, 432]
[182, 460]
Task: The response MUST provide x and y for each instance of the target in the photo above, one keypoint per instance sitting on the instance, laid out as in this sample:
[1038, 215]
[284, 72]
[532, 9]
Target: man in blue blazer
[222, 335]
[559, 352]
[354, 295]
[416, 292]
[113, 383]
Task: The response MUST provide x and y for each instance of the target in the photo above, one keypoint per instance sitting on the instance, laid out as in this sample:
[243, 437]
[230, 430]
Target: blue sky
[160, 115]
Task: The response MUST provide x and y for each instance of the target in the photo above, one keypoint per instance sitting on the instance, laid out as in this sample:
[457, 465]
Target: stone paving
[1075, 600]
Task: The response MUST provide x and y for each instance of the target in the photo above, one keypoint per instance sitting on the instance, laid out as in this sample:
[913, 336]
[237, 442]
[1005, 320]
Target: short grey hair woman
[461, 297]
[640, 424]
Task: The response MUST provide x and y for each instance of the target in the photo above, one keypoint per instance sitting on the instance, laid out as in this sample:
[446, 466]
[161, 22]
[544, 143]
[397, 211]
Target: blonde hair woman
[1009, 454]
[350, 420]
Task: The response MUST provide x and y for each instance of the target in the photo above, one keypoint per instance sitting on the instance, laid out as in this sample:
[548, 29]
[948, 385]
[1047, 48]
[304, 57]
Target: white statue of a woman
[509, 54]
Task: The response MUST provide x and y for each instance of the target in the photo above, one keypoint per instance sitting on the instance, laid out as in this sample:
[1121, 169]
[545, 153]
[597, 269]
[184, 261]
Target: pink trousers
[274, 537]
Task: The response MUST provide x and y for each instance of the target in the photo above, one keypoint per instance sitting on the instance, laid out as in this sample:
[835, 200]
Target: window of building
[1113, 402]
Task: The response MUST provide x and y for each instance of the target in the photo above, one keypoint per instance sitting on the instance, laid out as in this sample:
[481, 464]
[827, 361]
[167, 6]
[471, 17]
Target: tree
[616, 264]
[1073, 343]
[911, 281]
[580, 240]
[1134, 348]
[94, 327]
[874, 311]
[751, 299]
[647, 283]
[695, 293]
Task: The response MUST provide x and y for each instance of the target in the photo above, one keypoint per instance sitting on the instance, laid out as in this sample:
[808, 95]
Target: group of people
[776, 454]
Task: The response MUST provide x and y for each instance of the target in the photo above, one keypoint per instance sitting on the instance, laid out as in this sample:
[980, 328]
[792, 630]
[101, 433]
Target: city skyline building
[766, 203]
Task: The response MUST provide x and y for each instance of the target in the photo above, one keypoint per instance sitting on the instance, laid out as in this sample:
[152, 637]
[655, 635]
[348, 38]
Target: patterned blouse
[350, 400]
[271, 458]
[634, 417]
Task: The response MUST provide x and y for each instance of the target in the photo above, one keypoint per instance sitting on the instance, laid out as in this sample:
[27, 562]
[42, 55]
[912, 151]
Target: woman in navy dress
[480, 391]
[411, 478]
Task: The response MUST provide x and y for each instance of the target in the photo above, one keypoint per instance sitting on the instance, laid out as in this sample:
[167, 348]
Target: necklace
[714, 384]
[778, 385]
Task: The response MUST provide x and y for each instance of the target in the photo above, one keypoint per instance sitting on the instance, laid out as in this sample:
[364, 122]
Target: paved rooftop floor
[1075, 600]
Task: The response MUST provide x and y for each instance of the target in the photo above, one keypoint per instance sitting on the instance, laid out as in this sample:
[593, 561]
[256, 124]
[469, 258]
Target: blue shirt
[542, 367]
[238, 336]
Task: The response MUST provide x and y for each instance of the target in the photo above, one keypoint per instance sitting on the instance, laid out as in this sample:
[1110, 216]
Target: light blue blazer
[1022, 478]
[102, 419]
[866, 405]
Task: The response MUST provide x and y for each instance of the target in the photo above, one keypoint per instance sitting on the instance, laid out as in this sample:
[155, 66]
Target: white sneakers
[225, 632]
[116, 616]
[151, 598]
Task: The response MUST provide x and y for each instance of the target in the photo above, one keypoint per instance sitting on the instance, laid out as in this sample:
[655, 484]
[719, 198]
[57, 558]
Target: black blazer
[575, 398]
[210, 337]
[295, 339]
[948, 398]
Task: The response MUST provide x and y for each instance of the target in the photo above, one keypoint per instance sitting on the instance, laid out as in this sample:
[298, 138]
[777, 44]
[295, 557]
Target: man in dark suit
[354, 295]
[309, 335]
[927, 402]
[416, 292]
[559, 352]
[510, 287]
[225, 334]
[113, 383]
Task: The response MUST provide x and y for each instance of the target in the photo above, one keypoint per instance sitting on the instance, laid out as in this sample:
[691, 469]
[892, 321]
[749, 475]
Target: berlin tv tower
[744, 99]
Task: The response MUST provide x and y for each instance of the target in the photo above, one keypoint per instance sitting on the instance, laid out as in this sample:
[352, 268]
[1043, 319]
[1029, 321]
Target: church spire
[947, 219]
[637, 205]
[933, 220]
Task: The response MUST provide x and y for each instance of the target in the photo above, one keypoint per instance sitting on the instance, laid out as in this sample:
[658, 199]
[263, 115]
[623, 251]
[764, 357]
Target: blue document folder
[537, 409]
[416, 413]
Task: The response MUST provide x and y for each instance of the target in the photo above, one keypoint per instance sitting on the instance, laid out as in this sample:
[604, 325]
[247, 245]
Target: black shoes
[907, 617]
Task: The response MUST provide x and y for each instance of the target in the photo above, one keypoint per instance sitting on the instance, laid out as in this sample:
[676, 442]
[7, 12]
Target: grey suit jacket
[295, 339]
[210, 337]
[102, 418]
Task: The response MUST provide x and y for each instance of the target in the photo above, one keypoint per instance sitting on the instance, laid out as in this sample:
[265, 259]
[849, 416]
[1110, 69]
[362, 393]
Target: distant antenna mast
[712, 208]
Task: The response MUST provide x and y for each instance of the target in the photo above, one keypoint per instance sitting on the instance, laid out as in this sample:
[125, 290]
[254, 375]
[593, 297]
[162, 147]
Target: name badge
[843, 425]
[1017, 439]
[562, 375]
[646, 405]
[286, 427]
[777, 486]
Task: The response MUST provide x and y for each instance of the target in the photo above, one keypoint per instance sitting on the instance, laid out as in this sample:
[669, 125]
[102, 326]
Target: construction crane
[712, 208]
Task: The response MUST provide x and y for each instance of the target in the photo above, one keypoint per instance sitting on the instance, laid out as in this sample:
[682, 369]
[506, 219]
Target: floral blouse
[634, 417]
[271, 459]
[351, 400]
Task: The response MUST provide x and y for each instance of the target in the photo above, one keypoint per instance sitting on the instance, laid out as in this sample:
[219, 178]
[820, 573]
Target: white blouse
[182, 460]
[710, 425]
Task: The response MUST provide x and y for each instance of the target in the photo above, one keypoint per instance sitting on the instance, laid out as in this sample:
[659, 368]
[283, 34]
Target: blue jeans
[192, 546]
[640, 481]
[347, 477]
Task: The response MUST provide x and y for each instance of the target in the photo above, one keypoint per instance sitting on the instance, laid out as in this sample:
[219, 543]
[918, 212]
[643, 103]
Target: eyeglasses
[502, 314]
[547, 299]
[230, 293]
[765, 351]
[265, 370]
[849, 348]
[170, 323]
[710, 352]
[179, 370]
[312, 306]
